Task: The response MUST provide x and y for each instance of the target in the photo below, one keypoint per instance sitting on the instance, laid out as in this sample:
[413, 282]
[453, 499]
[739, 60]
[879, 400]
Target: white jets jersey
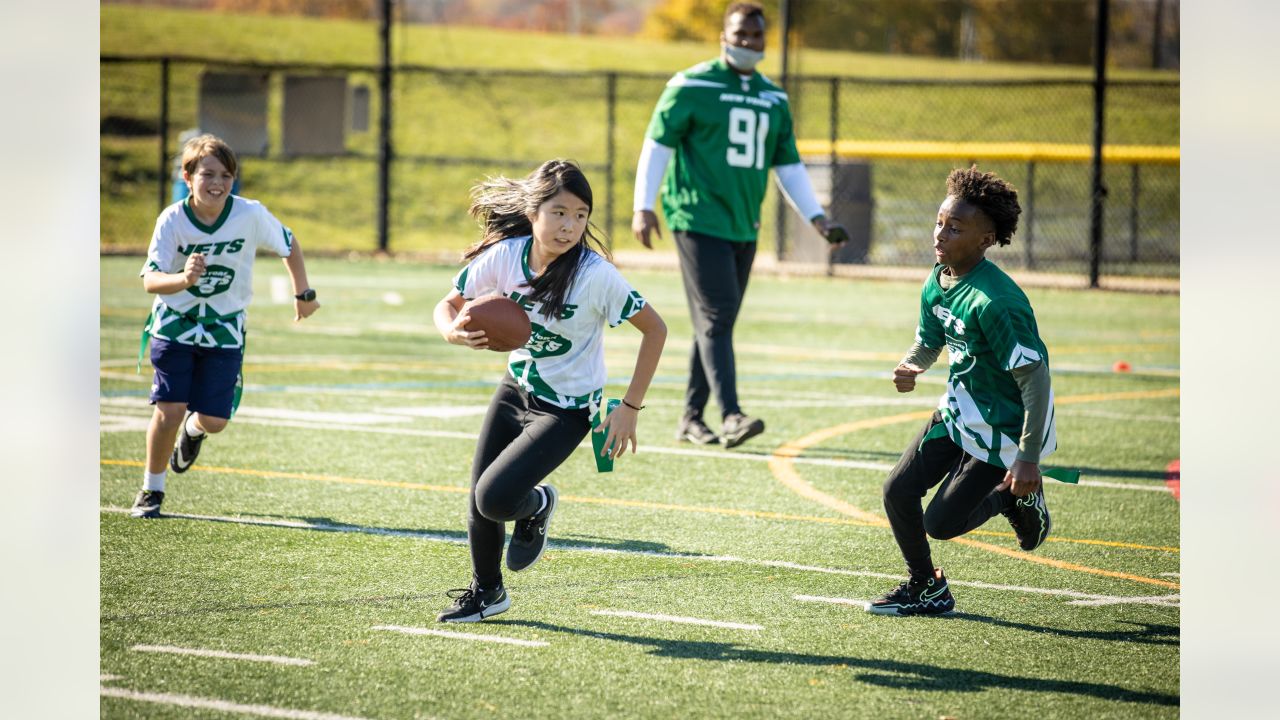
[211, 312]
[563, 362]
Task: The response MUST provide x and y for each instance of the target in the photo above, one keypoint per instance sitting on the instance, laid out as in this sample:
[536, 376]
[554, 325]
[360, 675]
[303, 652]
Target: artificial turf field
[322, 528]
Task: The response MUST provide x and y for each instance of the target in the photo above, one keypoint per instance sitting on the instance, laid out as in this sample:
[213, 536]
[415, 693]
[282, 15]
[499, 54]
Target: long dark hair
[503, 206]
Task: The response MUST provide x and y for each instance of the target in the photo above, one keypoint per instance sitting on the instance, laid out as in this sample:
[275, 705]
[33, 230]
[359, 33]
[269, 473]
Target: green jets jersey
[988, 327]
[727, 131]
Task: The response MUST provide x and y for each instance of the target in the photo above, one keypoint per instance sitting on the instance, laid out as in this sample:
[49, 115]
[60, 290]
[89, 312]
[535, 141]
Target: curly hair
[996, 198]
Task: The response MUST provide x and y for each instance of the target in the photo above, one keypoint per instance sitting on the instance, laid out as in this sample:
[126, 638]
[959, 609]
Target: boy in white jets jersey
[200, 267]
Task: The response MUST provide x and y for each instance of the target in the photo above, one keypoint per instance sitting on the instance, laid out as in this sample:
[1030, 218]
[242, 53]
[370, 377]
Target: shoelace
[524, 528]
[904, 589]
[461, 596]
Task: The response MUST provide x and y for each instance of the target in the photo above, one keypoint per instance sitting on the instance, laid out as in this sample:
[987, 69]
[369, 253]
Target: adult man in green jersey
[995, 421]
[716, 131]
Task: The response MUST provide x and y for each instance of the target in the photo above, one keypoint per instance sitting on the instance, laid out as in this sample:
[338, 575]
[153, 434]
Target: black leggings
[964, 502]
[523, 439]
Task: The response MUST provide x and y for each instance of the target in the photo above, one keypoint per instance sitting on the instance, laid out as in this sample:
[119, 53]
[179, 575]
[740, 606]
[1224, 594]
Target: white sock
[543, 506]
[153, 481]
[192, 430]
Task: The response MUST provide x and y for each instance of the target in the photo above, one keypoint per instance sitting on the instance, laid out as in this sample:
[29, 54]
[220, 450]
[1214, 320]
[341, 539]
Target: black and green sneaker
[917, 596]
[1029, 517]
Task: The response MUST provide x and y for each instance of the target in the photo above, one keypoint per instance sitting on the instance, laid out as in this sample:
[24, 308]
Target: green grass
[812, 353]
[518, 122]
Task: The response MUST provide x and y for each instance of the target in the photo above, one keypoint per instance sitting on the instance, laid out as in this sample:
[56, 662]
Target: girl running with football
[539, 249]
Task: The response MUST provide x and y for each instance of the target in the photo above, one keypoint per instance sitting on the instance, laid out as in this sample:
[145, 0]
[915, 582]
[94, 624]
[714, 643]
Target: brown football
[502, 320]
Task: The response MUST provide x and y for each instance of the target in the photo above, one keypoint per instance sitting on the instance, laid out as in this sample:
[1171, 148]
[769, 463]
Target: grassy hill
[514, 122]
[164, 31]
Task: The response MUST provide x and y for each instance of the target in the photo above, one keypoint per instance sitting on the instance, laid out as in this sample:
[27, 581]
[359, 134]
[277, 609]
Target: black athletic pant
[523, 439]
[964, 502]
[715, 275]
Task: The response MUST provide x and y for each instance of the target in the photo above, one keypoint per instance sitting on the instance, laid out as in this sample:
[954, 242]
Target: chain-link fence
[1035, 133]
[451, 127]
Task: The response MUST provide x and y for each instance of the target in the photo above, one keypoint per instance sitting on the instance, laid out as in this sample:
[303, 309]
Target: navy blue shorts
[203, 378]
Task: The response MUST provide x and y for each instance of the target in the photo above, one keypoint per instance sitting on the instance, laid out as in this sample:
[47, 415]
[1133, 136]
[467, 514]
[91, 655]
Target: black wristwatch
[307, 295]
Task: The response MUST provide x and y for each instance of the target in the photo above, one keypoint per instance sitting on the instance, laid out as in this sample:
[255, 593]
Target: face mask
[743, 58]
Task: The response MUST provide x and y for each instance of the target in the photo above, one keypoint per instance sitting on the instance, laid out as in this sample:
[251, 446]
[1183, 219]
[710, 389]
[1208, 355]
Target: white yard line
[344, 419]
[126, 376]
[837, 601]
[289, 359]
[1171, 600]
[248, 419]
[188, 701]
[1162, 600]
[1078, 597]
[200, 652]
[677, 619]
[122, 423]
[462, 636]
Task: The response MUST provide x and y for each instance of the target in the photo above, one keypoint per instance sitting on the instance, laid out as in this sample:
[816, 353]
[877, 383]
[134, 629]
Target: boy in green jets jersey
[995, 421]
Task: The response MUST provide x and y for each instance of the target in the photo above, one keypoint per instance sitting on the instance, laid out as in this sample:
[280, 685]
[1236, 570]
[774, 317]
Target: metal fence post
[834, 121]
[164, 134]
[384, 126]
[1099, 125]
[611, 104]
[1134, 187]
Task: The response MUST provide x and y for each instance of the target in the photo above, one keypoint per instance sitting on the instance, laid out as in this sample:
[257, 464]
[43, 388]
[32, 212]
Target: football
[503, 321]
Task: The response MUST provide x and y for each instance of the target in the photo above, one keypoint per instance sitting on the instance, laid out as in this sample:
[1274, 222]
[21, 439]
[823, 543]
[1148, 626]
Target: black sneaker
[147, 504]
[1029, 517]
[692, 429]
[188, 447]
[529, 538]
[739, 428]
[923, 596]
[471, 604]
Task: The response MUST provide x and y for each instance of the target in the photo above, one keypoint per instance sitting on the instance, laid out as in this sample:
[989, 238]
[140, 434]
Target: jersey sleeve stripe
[682, 81]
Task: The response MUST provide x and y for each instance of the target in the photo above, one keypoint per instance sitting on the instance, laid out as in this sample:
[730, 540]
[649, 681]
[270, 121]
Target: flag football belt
[206, 321]
[1065, 475]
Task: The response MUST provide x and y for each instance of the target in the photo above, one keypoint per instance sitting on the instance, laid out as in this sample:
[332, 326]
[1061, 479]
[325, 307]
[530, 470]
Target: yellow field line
[1028, 557]
[614, 502]
[759, 514]
[1024, 151]
[308, 476]
[782, 467]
